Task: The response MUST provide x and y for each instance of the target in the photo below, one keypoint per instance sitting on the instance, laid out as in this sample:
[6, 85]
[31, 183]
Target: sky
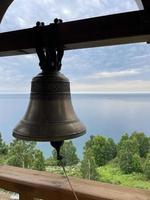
[122, 68]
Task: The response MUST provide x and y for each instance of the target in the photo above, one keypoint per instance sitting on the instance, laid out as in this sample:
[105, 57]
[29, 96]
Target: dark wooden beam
[115, 29]
[146, 4]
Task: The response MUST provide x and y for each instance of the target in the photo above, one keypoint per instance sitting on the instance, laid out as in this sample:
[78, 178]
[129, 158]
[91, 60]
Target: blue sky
[122, 68]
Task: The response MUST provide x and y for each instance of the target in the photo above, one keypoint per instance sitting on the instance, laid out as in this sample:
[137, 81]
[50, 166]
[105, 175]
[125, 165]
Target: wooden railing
[31, 184]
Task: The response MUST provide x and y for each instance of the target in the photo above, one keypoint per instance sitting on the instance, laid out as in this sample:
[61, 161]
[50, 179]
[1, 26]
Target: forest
[125, 163]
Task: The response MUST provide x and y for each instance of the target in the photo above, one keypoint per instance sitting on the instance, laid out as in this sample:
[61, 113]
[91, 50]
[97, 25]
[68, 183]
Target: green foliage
[125, 162]
[3, 147]
[143, 143]
[68, 151]
[128, 145]
[126, 168]
[147, 166]
[111, 149]
[15, 161]
[128, 156]
[73, 170]
[24, 154]
[103, 149]
[111, 173]
[38, 160]
[136, 163]
[88, 166]
[131, 150]
[51, 161]
[123, 139]
[21, 153]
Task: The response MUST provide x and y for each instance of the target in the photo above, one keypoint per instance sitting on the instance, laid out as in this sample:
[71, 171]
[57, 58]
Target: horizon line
[85, 92]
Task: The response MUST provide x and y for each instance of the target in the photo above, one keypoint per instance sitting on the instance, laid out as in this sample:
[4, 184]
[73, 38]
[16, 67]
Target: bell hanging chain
[50, 57]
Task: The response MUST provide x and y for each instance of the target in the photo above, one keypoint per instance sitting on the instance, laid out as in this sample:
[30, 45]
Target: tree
[129, 145]
[128, 156]
[21, 153]
[125, 162]
[147, 166]
[88, 166]
[68, 151]
[111, 148]
[123, 139]
[143, 143]
[51, 161]
[3, 147]
[103, 149]
[136, 163]
[24, 154]
[38, 161]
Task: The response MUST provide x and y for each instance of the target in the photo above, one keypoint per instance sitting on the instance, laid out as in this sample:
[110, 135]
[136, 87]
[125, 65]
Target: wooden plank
[115, 29]
[49, 186]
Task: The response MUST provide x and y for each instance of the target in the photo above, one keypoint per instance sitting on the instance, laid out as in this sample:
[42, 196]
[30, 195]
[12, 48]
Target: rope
[64, 170]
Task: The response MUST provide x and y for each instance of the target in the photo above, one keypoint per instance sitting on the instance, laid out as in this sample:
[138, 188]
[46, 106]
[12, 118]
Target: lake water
[110, 115]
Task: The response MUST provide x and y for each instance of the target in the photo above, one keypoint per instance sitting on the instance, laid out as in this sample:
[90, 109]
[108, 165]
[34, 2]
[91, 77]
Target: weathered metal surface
[50, 115]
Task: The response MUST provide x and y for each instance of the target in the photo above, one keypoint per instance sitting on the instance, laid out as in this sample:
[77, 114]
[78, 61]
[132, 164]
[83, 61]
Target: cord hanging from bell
[57, 145]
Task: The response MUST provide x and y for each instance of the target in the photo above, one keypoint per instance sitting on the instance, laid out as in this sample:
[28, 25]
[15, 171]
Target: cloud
[114, 74]
[84, 67]
[114, 86]
[23, 14]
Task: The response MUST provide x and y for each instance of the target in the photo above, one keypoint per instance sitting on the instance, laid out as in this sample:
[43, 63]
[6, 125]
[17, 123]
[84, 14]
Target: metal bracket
[50, 57]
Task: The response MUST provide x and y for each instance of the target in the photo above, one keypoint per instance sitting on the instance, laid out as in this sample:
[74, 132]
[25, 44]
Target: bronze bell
[50, 115]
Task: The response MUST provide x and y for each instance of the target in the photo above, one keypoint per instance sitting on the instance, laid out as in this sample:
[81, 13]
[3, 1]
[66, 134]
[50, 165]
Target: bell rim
[42, 139]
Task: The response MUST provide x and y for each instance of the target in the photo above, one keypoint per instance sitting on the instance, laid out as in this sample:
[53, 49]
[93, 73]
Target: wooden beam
[43, 185]
[115, 29]
[146, 4]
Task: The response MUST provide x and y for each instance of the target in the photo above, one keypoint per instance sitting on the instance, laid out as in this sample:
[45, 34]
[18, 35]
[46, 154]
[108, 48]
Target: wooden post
[25, 196]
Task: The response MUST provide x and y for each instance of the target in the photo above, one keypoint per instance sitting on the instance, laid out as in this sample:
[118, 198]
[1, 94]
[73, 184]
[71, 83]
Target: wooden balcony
[31, 184]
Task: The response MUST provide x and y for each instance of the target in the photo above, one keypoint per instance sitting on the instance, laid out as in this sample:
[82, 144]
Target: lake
[109, 115]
